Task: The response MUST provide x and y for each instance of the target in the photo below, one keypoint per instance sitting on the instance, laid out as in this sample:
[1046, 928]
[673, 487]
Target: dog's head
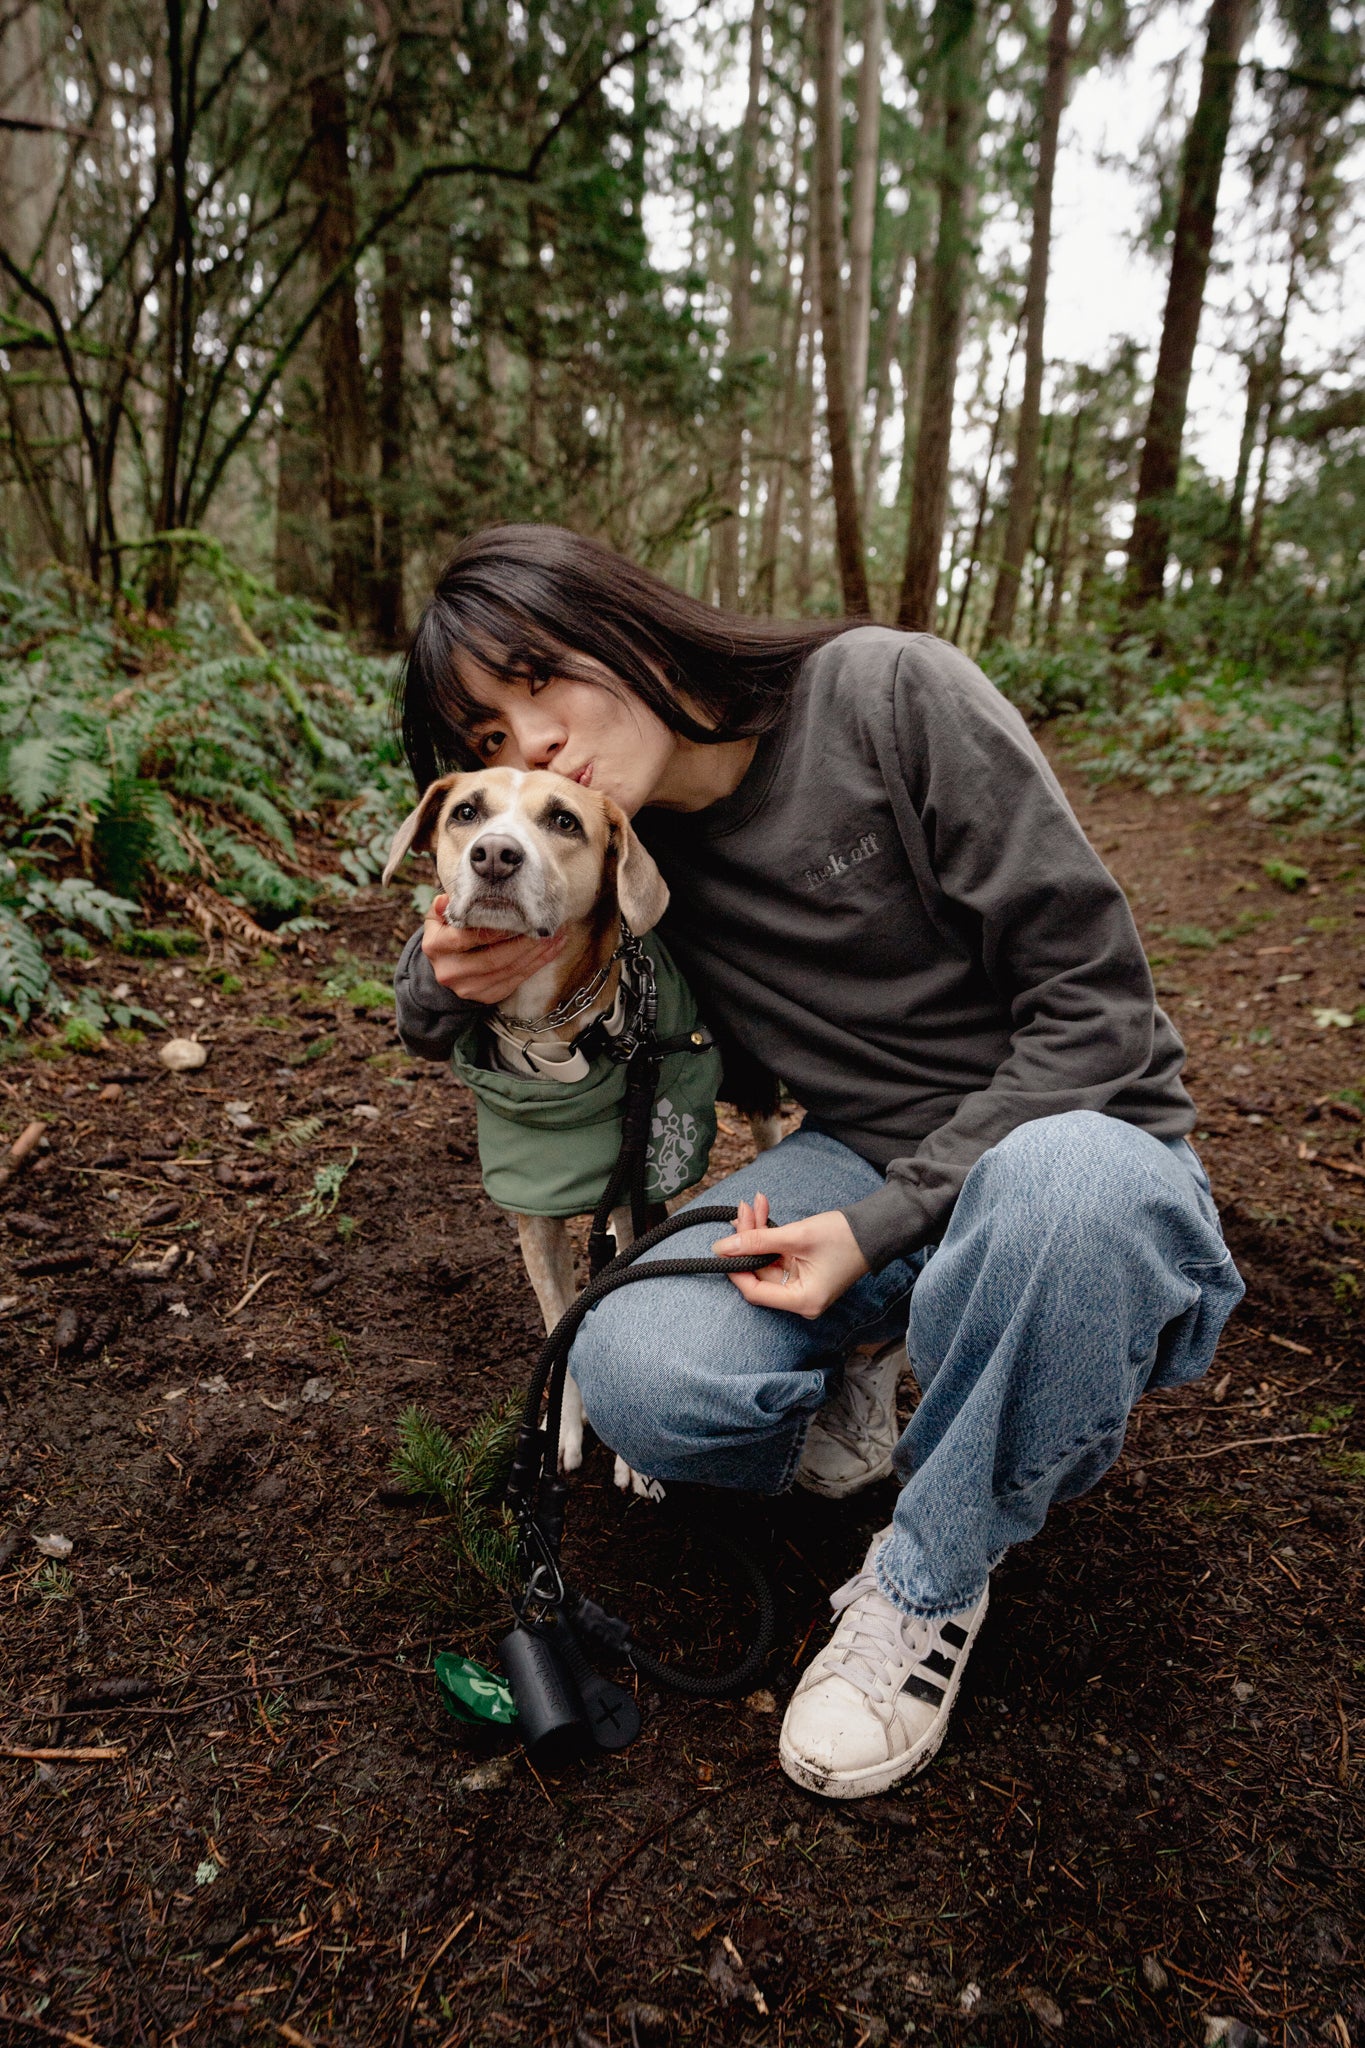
[527, 851]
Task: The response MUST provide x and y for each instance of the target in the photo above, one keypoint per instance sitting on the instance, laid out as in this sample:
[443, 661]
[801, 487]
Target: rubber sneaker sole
[840, 1489]
[874, 1778]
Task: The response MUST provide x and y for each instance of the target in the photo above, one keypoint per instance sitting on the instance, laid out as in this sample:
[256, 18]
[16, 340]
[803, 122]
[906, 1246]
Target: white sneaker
[850, 1441]
[873, 1707]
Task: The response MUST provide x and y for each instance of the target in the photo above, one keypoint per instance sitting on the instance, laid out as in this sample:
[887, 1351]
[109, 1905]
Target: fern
[171, 754]
[77, 900]
[25, 978]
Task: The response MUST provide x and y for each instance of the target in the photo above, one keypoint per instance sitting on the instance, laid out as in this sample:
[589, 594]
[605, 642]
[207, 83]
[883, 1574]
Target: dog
[529, 851]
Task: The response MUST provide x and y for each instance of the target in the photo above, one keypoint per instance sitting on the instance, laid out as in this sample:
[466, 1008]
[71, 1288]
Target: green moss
[157, 943]
[369, 995]
[1285, 873]
[80, 1035]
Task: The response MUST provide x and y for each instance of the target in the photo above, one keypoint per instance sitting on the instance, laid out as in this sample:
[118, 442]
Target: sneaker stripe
[920, 1689]
[936, 1661]
[951, 1633]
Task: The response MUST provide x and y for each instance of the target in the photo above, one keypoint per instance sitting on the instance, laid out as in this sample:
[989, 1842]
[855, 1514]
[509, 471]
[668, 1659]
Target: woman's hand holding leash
[483, 966]
[814, 1261]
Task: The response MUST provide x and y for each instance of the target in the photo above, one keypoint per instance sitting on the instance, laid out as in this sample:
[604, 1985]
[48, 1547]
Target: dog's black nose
[495, 856]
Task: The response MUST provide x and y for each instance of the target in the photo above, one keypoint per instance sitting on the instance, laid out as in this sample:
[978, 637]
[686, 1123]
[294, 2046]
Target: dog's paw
[631, 1481]
[571, 1421]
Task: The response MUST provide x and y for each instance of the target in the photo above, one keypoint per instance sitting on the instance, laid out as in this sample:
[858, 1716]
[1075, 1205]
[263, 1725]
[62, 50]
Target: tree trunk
[1024, 485]
[389, 624]
[163, 575]
[1251, 426]
[1061, 566]
[387, 589]
[346, 436]
[983, 498]
[763, 588]
[44, 512]
[1042, 554]
[863, 209]
[302, 540]
[1201, 173]
[912, 375]
[828, 157]
[957, 48]
[806, 459]
[726, 534]
[888, 336]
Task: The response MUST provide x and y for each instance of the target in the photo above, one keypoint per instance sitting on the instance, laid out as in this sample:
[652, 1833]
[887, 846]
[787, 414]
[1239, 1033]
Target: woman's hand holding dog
[814, 1261]
[483, 966]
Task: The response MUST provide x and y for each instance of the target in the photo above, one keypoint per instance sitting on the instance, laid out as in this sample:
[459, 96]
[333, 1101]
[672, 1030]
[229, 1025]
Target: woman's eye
[465, 813]
[564, 821]
[487, 744]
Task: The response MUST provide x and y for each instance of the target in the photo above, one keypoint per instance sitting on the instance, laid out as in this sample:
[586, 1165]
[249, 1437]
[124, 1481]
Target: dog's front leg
[765, 1129]
[548, 1257]
[625, 1476]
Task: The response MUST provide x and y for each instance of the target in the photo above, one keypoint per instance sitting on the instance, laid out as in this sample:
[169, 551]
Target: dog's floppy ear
[418, 826]
[641, 891]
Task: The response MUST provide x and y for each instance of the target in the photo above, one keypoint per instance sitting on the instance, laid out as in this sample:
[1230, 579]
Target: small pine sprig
[427, 1459]
[467, 1478]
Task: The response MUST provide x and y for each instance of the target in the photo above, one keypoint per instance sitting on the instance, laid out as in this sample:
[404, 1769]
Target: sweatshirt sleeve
[1006, 867]
[429, 1017]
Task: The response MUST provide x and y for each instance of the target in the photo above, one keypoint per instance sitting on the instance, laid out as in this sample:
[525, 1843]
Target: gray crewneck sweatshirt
[898, 913]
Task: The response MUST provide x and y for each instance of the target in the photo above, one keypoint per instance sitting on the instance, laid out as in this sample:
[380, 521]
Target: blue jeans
[1082, 1264]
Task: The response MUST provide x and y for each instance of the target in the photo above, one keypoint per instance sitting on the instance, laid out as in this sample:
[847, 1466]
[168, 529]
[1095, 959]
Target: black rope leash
[563, 1705]
[553, 1623]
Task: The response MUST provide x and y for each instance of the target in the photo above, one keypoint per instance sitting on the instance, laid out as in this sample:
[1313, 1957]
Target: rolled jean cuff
[926, 1607]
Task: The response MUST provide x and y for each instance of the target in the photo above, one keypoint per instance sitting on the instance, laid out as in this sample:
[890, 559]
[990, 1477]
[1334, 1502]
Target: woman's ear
[641, 891]
[415, 832]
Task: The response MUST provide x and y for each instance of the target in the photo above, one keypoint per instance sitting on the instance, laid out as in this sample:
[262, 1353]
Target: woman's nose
[541, 740]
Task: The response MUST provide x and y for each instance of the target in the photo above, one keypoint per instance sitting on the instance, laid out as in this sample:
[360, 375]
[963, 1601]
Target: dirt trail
[1149, 1806]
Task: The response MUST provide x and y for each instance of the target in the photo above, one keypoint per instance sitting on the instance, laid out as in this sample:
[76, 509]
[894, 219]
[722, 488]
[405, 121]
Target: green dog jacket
[546, 1147]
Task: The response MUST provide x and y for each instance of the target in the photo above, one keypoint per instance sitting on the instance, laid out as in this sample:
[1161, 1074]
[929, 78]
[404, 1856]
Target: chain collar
[574, 1005]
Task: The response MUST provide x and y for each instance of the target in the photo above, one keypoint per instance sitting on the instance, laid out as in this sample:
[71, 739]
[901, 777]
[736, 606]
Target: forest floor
[261, 1826]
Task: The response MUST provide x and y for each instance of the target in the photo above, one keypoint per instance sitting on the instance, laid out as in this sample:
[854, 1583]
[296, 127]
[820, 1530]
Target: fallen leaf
[53, 1545]
[1042, 2006]
[492, 1776]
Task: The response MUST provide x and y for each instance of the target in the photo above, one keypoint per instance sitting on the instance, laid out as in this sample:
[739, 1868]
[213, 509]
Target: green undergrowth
[242, 746]
[1216, 728]
[1223, 736]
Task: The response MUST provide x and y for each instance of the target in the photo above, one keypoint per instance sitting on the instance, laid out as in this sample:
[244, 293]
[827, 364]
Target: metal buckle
[542, 1571]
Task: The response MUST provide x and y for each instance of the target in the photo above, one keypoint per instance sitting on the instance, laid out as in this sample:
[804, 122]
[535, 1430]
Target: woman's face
[606, 741]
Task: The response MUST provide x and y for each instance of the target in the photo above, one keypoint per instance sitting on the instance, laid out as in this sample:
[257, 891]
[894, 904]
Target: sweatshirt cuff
[429, 1017]
[889, 1224]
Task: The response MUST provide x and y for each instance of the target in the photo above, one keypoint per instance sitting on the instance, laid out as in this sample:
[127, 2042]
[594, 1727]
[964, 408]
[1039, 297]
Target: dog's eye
[565, 821]
[464, 814]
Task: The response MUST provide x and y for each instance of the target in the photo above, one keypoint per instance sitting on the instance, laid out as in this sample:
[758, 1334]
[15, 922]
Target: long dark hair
[528, 602]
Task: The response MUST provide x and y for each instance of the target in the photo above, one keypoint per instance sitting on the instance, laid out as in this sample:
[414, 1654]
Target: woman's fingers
[483, 966]
[813, 1262]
